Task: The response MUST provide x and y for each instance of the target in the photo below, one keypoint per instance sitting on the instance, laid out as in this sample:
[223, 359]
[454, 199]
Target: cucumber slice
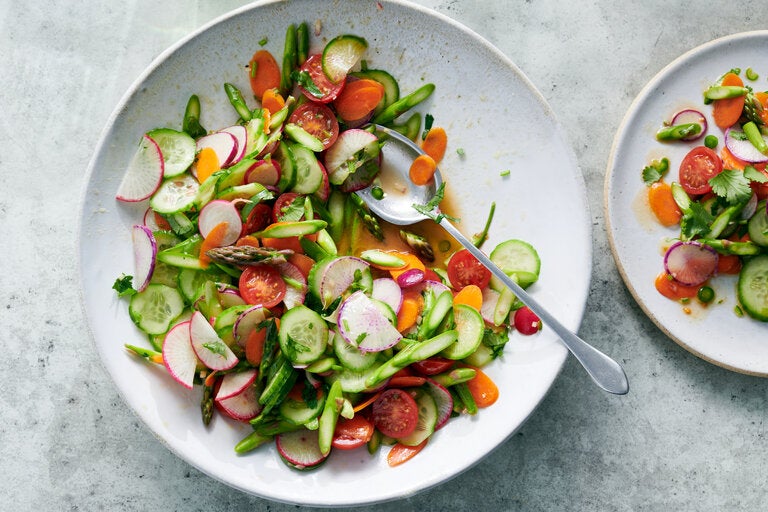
[235, 175]
[190, 281]
[470, 327]
[303, 335]
[309, 175]
[303, 137]
[284, 157]
[341, 54]
[177, 194]
[518, 258]
[178, 150]
[298, 412]
[164, 273]
[427, 419]
[153, 309]
[758, 226]
[279, 384]
[753, 287]
[350, 356]
[185, 254]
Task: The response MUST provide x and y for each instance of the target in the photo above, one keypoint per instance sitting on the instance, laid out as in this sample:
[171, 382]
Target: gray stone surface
[689, 436]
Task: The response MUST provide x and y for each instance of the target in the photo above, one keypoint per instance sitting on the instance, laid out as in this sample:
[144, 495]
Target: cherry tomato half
[352, 433]
[262, 284]
[258, 219]
[318, 120]
[464, 269]
[433, 365]
[327, 90]
[283, 202]
[697, 168]
[395, 413]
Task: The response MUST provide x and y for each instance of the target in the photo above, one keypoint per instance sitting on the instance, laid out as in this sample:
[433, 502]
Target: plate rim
[637, 102]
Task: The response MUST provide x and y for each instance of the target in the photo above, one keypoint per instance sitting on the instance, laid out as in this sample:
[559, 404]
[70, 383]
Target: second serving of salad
[718, 198]
[263, 282]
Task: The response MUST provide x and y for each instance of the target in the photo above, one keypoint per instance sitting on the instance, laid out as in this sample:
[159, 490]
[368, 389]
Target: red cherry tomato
[464, 269]
[258, 219]
[328, 91]
[317, 120]
[697, 168]
[395, 413]
[282, 202]
[433, 365]
[526, 321]
[352, 433]
[262, 284]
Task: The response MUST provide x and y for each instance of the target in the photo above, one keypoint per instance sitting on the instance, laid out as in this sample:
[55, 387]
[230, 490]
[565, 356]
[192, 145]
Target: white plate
[488, 108]
[715, 334]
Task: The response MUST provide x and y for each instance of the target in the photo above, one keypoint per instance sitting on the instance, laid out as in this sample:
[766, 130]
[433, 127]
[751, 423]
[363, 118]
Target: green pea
[711, 141]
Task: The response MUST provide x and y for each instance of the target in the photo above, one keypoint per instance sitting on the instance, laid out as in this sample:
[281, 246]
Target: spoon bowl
[397, 207]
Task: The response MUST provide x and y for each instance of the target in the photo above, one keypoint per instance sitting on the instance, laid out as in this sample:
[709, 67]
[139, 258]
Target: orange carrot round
[254, 346]
[435, 143]
[264, 73]
[214, 239]
[411, 261]
[671, 289]
[358, 99]
[408, 313]
[401, 453]
[483, 389]
[663, 204]
[728, 110]
[471, 295]
[207, 163]
[422, 169]
[272, 101]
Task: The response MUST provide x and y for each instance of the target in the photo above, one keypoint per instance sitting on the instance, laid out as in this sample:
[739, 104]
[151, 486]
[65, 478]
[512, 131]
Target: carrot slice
[303, 262]
[358, 99]
[671, 289]
[264, 73]
[254, 346]
[663, 204]
[728, 110]
[207, 163]
[483, 389]
[728, 264]
[422, 169]
[435, 143]
[272, 101]
[401, 453]
[362, 405]
[408, 314]
[471, 295]
[411, 261]
[214, 239]
[248, 240]
[406, 381]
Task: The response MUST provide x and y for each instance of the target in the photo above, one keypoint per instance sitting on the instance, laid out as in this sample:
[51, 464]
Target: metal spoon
[397, 207]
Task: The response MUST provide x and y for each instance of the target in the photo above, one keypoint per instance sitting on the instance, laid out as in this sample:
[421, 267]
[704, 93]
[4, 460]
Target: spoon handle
[607, 373]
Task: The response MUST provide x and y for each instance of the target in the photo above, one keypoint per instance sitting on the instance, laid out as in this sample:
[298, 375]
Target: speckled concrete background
[689, 436]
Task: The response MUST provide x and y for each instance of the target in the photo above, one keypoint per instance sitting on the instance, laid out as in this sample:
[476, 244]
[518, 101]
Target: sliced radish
[178, 356]
[690, 263]
[247, 322]
[443, 401]
[337, 277]
[150, 220]
[266, 172]
[691, 116]
[235, 383]
[362, 177]
[218, 211]
[341, 158]
[300, 448]
[144, 255]
[296, 289]
[738, 144]
[243, 406]
[429, 286]
[144, 174]
[224, 144]
[410, 277]
[750, 208]
[229, 296]
[388, 291]
[490, 301]
[241, 136]
[363, 325]
[324, 192]
[209, 348]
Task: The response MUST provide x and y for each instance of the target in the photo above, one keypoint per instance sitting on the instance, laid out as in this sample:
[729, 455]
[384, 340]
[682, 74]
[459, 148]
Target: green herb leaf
[753, 174]
[495, 341]
[428, 121]
[731, 185]
[303, 79]
[217, 347]
[429, 209]
[655, 171]
[123, 286]
[293, 211]
[695, 221]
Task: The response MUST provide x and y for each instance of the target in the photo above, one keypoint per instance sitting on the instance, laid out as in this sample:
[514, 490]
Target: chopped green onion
[460, 151]
[751, 74]
[263, 41]
[504, 173]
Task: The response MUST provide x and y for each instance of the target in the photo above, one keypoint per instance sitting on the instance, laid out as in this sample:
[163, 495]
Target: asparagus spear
[404, 104]
[237, 101]
[371, 222]
[191, 122]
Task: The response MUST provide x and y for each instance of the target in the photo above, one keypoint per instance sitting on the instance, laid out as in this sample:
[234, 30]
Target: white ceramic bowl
[489, 109]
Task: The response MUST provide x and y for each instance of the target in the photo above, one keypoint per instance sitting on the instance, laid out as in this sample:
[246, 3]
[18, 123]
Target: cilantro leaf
[695, 221]
[428, 121]
[123, 286]
[731, 185]
[217, 347]
[431, 208]
[495, 341]
[754, 175]
[303, 79]
[655, 171]
[292, 211]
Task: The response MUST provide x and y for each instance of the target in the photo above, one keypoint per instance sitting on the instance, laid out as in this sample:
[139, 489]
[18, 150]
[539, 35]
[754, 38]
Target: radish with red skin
[293, 295]
[410, 277]
[235, 383]
[219, 211]
[690, 263]
[266, 172]
[387, 290]
[690, 115]
[345, 151]
[144, 255]
[243, 406]
[178, 356]
[490, 301]
[240, 134]
[144, 174]
[300, 449]
[338, 276]
[362, 324]
[443, 401]
[324, 191]
[224, 144]
[229, 297]
[740, 147]
[526, 321]
[209, 348]
[247, 321]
